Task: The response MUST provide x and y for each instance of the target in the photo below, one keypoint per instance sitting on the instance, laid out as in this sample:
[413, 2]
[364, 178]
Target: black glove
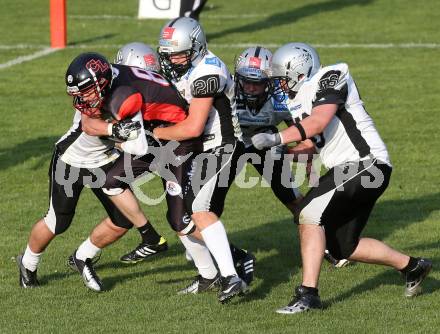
[125, 130]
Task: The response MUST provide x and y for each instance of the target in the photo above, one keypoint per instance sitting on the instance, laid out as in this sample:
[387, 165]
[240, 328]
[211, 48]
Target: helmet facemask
[173, 70]
[89, 100]
[256, 99]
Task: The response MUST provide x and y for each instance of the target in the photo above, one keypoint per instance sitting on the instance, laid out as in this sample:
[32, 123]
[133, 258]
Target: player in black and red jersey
[132, 90]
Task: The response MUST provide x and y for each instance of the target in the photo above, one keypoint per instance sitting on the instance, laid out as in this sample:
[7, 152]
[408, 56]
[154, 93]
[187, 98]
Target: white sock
[87, 250]
[30, 259]
[200, 255]
[217, 242]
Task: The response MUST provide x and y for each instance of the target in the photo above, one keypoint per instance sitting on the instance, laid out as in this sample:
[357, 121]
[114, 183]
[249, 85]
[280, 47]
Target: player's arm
[303, 149]
[310, 126]
[123, 130]
[190, 127]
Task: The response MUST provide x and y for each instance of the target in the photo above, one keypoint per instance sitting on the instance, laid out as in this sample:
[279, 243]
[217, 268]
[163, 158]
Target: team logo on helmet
[255, 62]
[150, 59]
[168, 33]
[69, 78]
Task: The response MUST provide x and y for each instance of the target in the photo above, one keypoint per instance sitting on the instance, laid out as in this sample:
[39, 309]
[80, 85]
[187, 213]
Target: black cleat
[245, 268]
[201, 284]
[231, 286]
[27, 278]
[415, 277]
[303, 301]
[87, 272]
[144, 251]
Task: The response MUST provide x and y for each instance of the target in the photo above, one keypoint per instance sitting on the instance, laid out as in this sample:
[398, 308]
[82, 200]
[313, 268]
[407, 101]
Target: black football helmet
[88, 80]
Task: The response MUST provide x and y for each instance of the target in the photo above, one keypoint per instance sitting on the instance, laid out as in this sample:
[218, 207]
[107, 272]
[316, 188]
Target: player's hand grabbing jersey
[351, 134]
[211, 78]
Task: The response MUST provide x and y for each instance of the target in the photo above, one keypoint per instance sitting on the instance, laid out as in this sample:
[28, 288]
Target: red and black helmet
[88, 75]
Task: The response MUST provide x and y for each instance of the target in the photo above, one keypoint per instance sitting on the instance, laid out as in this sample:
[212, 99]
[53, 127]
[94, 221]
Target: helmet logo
[97, 65]
[150, 59]
[168, 33]
[69, 78]
[255, 62]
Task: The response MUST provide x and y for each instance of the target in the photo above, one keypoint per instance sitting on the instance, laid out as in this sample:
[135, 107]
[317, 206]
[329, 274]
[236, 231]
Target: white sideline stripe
[127, 17]
[32, 56]
[242, 45]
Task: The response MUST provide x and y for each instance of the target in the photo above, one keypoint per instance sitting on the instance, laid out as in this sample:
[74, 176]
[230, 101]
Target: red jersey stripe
[130, 106]
[163, 112]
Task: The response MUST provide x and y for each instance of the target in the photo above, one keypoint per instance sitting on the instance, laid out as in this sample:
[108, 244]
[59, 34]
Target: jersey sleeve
[210, 80]
[332, 86]
[125, 102]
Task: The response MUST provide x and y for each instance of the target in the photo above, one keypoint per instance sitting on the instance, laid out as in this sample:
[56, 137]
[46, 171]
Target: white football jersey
[210, 77]
[80, 150]
[266, 120]
[351, 134]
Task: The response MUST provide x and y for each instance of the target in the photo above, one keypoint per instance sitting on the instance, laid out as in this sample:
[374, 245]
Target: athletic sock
[217, 242]
[87, 250]
[30, 259]
[200, 255]
[149, 234]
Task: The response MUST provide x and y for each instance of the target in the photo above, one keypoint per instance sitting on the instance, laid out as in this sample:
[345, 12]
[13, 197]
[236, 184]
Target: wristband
[281, 138]
[301, 130]
[110, 129]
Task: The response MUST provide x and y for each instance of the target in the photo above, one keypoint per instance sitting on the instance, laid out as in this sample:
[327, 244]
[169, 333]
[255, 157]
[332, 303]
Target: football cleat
[27, 278]
[201, 284]
[245, 268]
[231, 286]
[144, 251]
[336, 263]
[87, 272]
[415, 277]
[303, 301]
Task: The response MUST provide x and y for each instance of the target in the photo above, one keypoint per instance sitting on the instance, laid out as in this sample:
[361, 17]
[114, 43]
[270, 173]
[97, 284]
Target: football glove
[125, 130]
[264, 140]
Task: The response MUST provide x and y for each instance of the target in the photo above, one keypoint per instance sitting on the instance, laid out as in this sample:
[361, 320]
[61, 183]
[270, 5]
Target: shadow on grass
[288, 17]
[388, 277]
[40, 148]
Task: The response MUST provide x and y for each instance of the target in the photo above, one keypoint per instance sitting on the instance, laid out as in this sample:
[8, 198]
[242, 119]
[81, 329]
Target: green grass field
[393, 50]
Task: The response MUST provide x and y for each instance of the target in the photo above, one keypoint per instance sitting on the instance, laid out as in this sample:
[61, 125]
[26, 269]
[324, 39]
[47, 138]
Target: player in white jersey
[259, 110]
[80, 160]
[329, 111]
[205, 82]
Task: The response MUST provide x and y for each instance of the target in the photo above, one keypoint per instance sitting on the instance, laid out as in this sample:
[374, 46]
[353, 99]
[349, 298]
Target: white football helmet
[252, 69]
[139, 55]
[295, 63]
[182, 36]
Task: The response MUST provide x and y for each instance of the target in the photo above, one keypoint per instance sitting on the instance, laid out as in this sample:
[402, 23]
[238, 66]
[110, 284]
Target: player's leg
[206, 201]
[62, 204]
[119, 176]
[108, 231]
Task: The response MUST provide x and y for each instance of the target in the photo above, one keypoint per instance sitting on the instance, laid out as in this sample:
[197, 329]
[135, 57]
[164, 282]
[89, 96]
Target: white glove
[264, 140]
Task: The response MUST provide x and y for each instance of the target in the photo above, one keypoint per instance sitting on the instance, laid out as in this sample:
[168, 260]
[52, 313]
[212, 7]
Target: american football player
[329, 111]
[205, 82]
